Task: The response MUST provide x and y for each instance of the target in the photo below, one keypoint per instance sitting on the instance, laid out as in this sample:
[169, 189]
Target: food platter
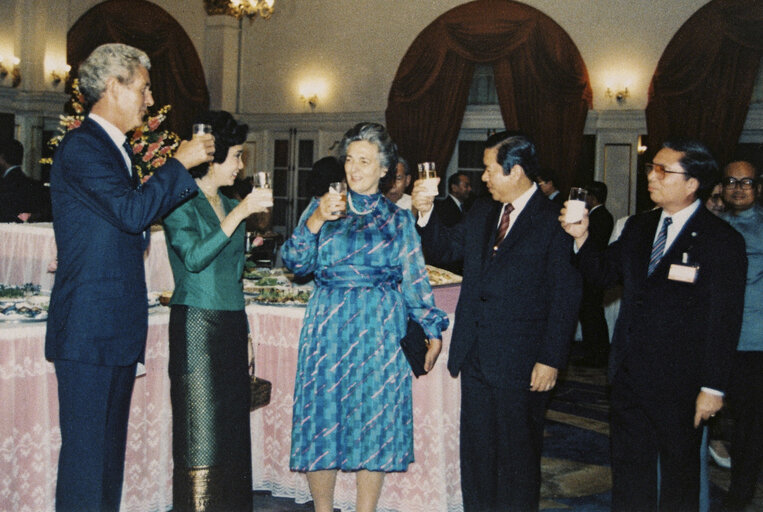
[442, 277]
[282, 296]
[28, 309]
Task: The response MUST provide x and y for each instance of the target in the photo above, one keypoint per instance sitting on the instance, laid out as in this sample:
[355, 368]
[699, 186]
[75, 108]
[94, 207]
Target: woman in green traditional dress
[209, 383]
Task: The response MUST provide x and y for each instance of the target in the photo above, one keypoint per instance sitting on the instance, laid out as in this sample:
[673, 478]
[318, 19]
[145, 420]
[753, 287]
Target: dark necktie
[133, 175]
[503, 227]
[659, 245]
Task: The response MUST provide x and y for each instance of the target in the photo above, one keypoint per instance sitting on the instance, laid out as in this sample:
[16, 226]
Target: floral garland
[151, 148]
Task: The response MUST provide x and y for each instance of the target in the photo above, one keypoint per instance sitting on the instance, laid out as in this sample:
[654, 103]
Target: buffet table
[30, 437]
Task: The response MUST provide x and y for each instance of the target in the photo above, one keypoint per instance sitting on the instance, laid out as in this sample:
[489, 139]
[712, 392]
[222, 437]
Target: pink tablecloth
[30, 437]
[26, 250]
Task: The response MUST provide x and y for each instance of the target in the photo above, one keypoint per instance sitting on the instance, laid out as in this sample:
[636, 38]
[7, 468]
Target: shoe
[720, 460]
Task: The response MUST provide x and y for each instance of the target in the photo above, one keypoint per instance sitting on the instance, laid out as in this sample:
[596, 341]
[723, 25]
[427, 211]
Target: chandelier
[240, 8]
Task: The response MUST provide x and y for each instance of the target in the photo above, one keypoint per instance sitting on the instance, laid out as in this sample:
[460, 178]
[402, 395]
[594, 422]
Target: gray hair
[109, 60]
[377, 135]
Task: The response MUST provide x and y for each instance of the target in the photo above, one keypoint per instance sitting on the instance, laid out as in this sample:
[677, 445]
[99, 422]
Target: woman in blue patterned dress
[352, 394]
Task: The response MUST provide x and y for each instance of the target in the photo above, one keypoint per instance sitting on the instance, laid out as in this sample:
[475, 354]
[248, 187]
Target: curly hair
[377, 135]
[227, 132]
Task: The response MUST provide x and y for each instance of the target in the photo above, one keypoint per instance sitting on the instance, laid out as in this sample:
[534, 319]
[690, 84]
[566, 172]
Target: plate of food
[442, 277]
[24, 310]
[18, 293]
[282, 296]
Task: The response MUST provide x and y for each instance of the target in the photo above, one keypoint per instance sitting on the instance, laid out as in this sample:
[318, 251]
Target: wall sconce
[312, 100]
[620, 96]
[311, 89]
[12, 69]
[60, 75]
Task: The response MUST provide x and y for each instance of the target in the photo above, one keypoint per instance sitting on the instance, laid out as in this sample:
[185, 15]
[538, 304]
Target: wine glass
[428, 173]
[576, 205]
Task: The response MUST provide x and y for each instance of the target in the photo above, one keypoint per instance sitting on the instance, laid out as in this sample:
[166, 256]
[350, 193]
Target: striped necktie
[133, 174]
[503, 227]
[659, 245]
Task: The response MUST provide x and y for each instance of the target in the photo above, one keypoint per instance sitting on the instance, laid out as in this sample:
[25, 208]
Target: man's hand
[435, 346]
[420, 199]
[543, 377]
[707, 405]
[579, 230]
[196, 151]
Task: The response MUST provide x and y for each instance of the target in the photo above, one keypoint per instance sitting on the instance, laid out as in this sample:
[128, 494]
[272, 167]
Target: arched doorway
[177, 77]
[541, 81]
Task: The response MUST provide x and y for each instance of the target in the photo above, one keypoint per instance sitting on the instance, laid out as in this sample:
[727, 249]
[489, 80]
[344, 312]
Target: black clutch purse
[415, 346]
[259, 392]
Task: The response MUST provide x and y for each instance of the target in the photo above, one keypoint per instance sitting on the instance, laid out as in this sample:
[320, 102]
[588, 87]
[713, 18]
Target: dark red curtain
[705, 78]
[541, 81]
[177, 77]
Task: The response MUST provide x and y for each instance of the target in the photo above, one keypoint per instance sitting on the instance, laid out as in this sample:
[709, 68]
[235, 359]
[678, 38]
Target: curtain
[705, 78]
[177, 77]
[541, 81]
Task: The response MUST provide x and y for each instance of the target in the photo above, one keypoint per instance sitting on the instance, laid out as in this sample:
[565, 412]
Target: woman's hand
[433, 352]
[330, 207]
[258, 200]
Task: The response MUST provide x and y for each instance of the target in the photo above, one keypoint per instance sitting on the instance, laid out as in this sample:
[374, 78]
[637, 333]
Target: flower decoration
[151, 148]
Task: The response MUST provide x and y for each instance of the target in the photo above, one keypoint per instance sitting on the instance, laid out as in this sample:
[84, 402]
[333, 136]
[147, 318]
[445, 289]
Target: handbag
[415, 346]
[259, 392]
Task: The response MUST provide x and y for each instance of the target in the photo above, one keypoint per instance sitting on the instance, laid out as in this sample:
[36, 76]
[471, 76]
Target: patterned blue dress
[352, 394]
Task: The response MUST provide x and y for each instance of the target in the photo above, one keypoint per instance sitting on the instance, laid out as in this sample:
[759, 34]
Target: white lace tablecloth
[30, 438]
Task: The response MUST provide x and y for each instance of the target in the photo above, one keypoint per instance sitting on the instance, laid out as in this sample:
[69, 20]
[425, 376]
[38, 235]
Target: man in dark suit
[21, 197]
[592, 321]
[546, 181]
[683, 275]
[515, 318]
[97, 321]
[451, 209]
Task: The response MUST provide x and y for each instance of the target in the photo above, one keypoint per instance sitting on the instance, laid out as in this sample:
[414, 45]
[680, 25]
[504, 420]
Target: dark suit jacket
[448, 211]
[600, 224]
[673, 337]
[21, 194]
[98, 309]
[519, 306]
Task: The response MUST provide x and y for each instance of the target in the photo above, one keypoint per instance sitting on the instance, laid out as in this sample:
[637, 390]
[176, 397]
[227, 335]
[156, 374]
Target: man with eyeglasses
[741, 187]
[683, 273]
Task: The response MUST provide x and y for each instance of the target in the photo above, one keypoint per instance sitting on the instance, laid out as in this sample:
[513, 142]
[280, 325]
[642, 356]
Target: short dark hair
[454, 178]
[697, 162]
[515, 148]
[12, 150]
[406, 168]
[598, 189]
[377, 135]
[547, 174]
[325, 171]
[227, 132]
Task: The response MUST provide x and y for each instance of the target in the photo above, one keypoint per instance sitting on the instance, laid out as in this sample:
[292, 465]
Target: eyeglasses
[744, 183]
[660, 170]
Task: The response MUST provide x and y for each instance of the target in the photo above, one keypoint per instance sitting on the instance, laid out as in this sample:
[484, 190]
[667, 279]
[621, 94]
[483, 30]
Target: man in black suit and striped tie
[683, 275]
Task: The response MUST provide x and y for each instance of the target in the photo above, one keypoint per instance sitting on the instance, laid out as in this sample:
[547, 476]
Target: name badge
[683, 273]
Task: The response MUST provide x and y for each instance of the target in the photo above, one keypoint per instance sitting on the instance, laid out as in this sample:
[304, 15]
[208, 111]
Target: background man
[592, 321]
[683, 272]
[21, 198]
[741, 187]
[98, 319]
[451, 209]
[396, 192]
[547, 185]
[515, 318]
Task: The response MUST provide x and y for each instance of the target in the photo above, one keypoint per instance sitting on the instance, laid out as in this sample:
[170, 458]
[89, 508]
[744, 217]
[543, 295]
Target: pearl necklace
[352, 207]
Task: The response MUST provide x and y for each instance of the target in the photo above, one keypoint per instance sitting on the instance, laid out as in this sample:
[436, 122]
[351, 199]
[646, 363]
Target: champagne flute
[576, 205]
[428, 173]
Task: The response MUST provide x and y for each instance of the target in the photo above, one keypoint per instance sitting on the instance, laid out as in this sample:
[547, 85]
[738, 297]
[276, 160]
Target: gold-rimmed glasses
[660, 170]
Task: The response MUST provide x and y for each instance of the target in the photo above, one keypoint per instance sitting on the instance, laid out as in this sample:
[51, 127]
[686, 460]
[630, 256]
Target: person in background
[515, 319]
[209, 381]
[714, 201]
[395, 190]
[592, 321]
[741, 188]
[451, 209]
[546, 182]
[98, 313]
[683, 273]
[325, 171]
[352, 393]
[22, 199]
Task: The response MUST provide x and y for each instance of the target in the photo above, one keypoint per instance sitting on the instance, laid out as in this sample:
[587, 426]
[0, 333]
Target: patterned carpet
[576, 473]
